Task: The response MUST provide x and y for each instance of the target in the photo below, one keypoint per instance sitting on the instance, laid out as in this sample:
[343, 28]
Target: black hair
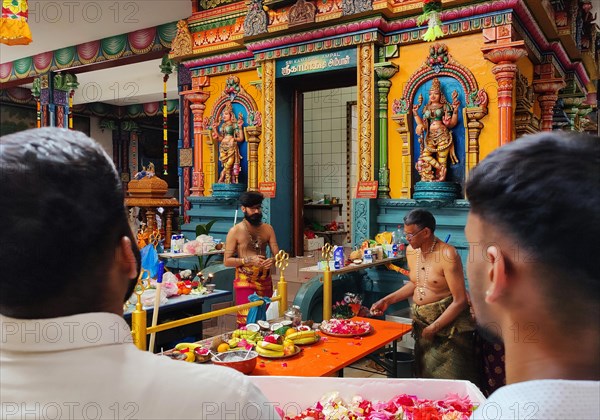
[251, 199]
[543, 192]
[61, 218]
[421, 218]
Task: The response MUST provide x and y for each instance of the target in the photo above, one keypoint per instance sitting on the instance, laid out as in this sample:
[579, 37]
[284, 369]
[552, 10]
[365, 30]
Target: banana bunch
[188, 350]
[303, 337]
[265, 348]
[248, 335]
[235, 341]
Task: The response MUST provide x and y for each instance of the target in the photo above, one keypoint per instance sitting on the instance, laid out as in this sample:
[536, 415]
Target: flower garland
[431, 13]
[14, 29]
[166, 67]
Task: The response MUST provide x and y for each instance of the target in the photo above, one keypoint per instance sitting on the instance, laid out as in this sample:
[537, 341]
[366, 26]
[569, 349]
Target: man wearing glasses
[442, 325]
[245, 249]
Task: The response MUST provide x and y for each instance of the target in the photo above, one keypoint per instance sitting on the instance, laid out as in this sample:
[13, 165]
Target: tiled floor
[364, 368]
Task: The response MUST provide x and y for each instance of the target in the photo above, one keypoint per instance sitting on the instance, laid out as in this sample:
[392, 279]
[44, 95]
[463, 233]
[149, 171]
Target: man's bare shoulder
[268, 228]
[236, 230]
[449, 253]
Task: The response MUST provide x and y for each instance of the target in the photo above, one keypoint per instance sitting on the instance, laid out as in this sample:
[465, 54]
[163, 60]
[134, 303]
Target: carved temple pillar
[385, 71]
[268, 86]
[547, 87]
[576, 109]
[505, 56]
[253, 139]
[61, 97]
[365, 107]
[401, 118]
[46, 105]
[525, 121]
[198, 99]
[474, 126]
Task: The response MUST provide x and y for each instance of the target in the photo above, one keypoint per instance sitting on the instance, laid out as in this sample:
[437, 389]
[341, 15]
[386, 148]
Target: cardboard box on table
[314, 243]
[294, 394]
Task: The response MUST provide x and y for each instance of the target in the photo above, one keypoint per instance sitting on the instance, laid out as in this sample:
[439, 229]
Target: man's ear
[126, 259]
[497, 276]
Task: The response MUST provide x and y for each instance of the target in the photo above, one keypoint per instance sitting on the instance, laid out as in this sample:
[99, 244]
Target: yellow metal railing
[139, 328]
[327, 282]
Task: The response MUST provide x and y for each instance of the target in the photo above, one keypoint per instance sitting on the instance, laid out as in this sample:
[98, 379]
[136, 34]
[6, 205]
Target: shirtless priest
[245, 249]
[442, 325]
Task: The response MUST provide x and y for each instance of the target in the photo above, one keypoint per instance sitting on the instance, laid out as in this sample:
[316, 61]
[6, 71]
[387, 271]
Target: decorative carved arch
[439, 63]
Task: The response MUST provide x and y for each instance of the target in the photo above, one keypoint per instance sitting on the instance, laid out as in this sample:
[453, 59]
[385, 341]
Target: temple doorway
[329, 128]
[324, 120]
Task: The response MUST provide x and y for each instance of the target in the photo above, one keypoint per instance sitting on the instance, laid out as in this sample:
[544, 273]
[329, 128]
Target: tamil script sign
[316, 63]
[367, 189]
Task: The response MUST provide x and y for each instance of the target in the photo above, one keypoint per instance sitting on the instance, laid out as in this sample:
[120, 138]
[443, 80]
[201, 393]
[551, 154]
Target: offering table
[332, 354]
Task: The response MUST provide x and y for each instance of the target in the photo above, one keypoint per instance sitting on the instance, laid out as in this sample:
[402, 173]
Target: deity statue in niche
[434, 133]
[228, 131]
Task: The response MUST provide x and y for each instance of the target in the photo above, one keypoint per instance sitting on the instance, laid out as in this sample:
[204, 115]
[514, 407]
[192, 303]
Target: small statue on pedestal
[435, 137]
[227, 130]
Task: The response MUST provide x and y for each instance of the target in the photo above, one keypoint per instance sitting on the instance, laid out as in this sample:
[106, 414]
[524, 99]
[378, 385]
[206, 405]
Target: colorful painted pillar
[385, 71]
[253, 139]
[197, 99]
[505, 56]
[36, 92]
[547, 87]
[63, 88]
[72, 85]
[365, 107]
[186, 161]
[270, 165]
[46, 105]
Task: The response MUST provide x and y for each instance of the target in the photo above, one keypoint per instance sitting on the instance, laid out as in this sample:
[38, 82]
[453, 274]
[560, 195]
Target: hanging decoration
[431, 13]
[166, 67]
[14, 29]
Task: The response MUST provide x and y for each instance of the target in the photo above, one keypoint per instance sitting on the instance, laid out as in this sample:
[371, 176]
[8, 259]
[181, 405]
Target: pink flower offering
[345, 327]
[403, 406]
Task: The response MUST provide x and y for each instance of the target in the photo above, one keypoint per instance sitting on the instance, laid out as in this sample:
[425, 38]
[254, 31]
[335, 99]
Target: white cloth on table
[548, 399]
[86, 366]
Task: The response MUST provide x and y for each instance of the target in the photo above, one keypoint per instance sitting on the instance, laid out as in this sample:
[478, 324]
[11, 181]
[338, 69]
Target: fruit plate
[285, 356]
[310, 344]
[369, 331]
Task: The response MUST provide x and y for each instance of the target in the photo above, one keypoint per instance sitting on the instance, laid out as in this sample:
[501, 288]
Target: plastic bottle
[397, 235]
[338, 257]
[398, 245]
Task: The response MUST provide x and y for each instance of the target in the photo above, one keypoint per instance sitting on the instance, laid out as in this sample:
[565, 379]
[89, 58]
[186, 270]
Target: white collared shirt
[86, 366]
[548, 399]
